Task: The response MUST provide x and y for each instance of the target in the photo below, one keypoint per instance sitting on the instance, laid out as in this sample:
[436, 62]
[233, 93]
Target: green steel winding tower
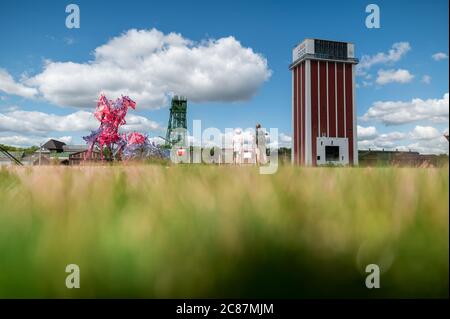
[177, 120]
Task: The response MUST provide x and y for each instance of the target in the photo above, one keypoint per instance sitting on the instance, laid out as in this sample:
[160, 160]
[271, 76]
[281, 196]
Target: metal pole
[40, 152]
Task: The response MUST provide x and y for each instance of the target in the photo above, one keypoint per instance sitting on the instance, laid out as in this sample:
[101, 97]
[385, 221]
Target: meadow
[151, 231]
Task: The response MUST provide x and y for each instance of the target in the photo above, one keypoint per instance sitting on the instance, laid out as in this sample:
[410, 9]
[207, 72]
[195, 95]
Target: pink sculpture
[111, 115]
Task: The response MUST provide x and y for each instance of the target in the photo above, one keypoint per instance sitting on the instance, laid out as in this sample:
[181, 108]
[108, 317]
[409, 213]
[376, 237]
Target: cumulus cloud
[389, 76]
[422, 139]
[140, 123]
[65, 139]
[10, 86]
[284, 140]
[425, 133]
[436, 146]
[157, 140]
[427, 140]
[366, 133]
[382, 141]
[397, 51]
[439, 56]
[41, 123]
[401, 112]
[25, 141]
[18, 140]
[149, 65]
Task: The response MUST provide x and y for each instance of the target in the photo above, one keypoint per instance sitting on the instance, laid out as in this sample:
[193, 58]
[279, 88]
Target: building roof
[75, 148]
[54, 145]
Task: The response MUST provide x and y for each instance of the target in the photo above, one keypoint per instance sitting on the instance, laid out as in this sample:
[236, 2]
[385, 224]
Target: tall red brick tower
[323, 103]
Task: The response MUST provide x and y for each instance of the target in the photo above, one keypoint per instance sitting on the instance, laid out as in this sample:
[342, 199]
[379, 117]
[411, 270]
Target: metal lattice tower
[177, 120]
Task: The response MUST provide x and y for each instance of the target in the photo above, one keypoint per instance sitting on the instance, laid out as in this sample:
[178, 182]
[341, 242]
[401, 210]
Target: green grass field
[208, 231]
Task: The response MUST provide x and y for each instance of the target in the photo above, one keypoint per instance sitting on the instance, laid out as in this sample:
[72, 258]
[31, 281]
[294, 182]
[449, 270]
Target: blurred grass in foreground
[204, 231]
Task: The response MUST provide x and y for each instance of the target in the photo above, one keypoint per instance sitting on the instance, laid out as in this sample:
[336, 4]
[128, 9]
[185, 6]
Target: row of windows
[330, 49]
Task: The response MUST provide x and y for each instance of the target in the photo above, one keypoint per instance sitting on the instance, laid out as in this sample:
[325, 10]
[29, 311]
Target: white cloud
[366, 133]
[10, 86]
[148, 66]
[426, 79]
[65, 139]
[285, 137]
[439, 56]
[25, 141]
[140, 123]
[284, 140]
[400, 112]
[388, 76]
[397, 51]
[382, 141]
[427, 144]
[19, 140]
[157, 140]
[424, 133]
[41, 123]
[422, 139]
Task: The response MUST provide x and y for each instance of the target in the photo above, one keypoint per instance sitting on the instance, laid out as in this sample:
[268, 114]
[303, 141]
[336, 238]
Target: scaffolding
[177, 126]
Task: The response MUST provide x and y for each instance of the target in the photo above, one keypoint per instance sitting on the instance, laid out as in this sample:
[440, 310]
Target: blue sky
[33, 33]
